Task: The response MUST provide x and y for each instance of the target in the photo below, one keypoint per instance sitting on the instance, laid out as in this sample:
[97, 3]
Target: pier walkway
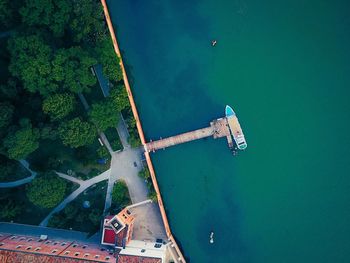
[218, 128]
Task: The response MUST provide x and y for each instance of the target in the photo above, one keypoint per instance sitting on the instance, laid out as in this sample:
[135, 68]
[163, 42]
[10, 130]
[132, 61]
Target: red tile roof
[136, 259]
[32, 246]
[19, 257]
[109, 236]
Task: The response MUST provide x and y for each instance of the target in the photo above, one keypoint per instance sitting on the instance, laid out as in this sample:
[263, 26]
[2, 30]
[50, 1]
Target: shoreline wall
[141, 134]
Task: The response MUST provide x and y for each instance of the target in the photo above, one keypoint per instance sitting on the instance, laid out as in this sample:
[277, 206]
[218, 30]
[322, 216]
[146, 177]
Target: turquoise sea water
[284, 66]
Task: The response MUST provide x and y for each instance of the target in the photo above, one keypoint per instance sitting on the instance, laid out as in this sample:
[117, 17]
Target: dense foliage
[31, 62]
[71, 68]
[51, 13]
[6, 112]
[58, 105]
[109, 61]
[120, 194]
[104, 115]
[5, 12]
[76, 133]
[47, 190]
[22, 141]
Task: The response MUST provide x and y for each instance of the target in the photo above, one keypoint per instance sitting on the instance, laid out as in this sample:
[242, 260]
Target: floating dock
[218, 128]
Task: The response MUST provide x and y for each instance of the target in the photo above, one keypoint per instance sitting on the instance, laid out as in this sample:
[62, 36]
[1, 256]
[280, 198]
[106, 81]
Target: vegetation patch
[11, 170]
[47, 190]
[85, 212]
[145, 174]
[15, 206]
[120, 197]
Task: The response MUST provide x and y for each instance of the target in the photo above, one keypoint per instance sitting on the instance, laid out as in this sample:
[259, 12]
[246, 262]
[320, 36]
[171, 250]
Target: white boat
[235, 128]
[211, 237]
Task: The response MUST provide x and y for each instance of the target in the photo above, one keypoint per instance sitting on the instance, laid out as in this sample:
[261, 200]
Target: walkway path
[83, 185]
[125, 165]
[22, 181]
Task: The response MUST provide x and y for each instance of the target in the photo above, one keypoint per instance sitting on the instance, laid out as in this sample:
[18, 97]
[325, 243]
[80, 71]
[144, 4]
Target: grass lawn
[26, 212]
[78, 218]
[113, 138]
[54, 155]
[120, 197]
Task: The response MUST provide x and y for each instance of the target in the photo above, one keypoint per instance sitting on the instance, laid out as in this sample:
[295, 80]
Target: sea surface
[284, 66]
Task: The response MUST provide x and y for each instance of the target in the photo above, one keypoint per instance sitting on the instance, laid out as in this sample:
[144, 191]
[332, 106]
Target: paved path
[70, 178]
[22, 181]
[82, 187]
[123, 168]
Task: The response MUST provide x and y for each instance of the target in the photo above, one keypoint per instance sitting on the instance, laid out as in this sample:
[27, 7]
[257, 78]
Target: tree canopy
[87, 20]
[22, 142]
[76, 133]
[119, 96]
[9, 209]
[120, 194]
[109, 59]
[31, 62]
[104, 114]
[59, 106]
[5, 12]
[6, 112]
[71, 67]
[46, 191]
[54, 14]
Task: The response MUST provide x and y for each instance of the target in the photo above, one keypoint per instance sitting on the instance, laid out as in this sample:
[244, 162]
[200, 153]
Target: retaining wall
[141, 134]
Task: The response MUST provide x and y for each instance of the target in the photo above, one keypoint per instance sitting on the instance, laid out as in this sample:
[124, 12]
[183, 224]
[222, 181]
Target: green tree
[6, 112]
[9, 209]
[54, 14]
[87, 20]
[104, 114]
[59, 106]
[145, 174]
[109, 59]
[71, 67]
[22, 142]
[95, 217]
[76, 133]
[120, 97]
[7, 168]
[5, 12]
[102, 152]
[31, 62]
[48, 132]
[46, 191]
[120, 194]
[10, 90]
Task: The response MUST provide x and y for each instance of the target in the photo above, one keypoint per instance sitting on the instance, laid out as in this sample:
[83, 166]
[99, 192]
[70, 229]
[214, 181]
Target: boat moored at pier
[235, 128]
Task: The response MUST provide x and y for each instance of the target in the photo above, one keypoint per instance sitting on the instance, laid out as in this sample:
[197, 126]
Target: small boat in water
[211, 237]
[235, 128]
[213, 43]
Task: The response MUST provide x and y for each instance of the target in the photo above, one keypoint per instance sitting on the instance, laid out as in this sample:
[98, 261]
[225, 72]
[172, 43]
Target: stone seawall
[178, 256]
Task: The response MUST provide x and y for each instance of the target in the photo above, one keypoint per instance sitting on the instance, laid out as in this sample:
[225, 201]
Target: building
[41, 244]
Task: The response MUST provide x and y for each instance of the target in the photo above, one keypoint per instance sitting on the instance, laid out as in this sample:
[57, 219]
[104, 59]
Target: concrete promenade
[175, 250]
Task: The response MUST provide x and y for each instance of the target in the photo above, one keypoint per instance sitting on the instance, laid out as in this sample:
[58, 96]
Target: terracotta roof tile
[137, 259]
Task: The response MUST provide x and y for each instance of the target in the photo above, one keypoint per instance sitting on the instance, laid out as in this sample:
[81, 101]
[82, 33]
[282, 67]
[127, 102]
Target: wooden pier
[218, 128]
